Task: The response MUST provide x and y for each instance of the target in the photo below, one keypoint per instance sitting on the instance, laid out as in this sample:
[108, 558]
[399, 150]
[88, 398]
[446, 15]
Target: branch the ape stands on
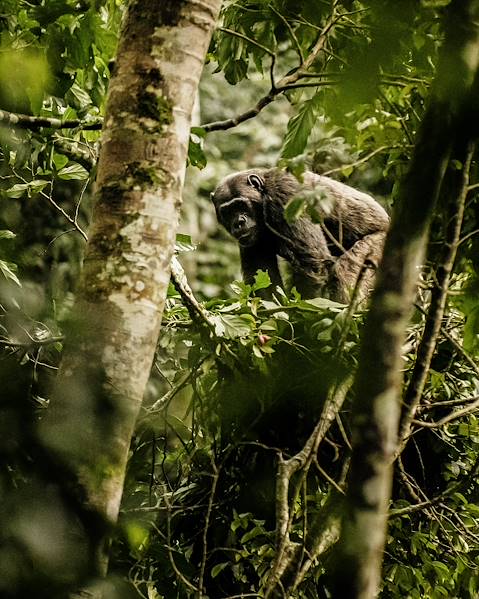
[197, 312]
[292, 561]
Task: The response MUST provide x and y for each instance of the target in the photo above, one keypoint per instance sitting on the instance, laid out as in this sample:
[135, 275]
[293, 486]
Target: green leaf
[269, 325]
[471, 331]
[73, 171]
[294, 209]
[251, 534]
[196, 156]
[183, 243]
[79, 96]
[32, 187]
[257, 352]
[235, 71]
[137, 535]
[261, 280]
[5, 234]
[7, 268]
[59, 160]
[299, 128]
[325, 304]
[215, 570]
[233, 325]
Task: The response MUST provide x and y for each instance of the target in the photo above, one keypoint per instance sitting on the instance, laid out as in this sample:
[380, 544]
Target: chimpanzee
[326, 259]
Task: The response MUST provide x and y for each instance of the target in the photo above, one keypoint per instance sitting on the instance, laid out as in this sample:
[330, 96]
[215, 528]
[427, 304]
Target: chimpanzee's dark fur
[326, 259]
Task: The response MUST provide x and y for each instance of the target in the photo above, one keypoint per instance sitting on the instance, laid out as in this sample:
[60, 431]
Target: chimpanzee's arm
[260, 257]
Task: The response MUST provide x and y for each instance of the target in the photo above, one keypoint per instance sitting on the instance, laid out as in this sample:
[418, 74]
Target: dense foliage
[339, 87]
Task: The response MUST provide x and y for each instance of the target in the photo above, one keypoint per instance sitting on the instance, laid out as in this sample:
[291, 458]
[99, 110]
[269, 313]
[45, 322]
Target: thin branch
[52, 241]
[285, 88]
[209, 511]
[195, 309]
[330, 480]
[454, 415]
[71, 220]
[32, 343]
[77, 151]
[25, 121]
[171, 558]
[292, 34]
[422, 505]
[472, 363]
[247, 39]
[468, 236]
[359, 161]
[449, 402]
[241, 118]
[283, 84]
[165, 399]
[293, 77]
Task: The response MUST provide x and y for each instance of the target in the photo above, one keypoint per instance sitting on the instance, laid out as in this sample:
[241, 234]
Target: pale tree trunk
[450, 119]
[121, 294]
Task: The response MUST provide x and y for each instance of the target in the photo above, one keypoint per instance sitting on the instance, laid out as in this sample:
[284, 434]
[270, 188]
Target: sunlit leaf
[73, 172]
[300, 127]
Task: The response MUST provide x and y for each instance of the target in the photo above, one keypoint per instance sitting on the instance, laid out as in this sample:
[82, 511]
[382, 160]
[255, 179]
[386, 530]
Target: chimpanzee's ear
[256, 181]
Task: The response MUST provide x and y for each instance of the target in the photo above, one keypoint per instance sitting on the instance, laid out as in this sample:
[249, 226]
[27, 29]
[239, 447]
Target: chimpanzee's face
[238, 202]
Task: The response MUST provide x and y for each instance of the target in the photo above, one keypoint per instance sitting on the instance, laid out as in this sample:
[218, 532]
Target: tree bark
[453, 198]
[121, 294]
[451, 116]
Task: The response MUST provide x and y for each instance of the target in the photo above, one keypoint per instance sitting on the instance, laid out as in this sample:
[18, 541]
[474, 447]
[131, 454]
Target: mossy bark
[121, 294]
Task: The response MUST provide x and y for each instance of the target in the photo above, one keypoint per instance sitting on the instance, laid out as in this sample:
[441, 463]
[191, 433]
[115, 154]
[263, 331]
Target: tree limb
[357, 560]
[25, 121]
[453, 195]
[284, 83]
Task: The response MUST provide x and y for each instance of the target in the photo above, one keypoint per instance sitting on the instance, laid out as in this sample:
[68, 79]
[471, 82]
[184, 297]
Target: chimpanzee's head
[238, 201]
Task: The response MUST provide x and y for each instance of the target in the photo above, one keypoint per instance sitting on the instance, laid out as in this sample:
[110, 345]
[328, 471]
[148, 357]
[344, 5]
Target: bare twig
[292, 34]
[468, 236]
[209, 511]
[32, 343]
[359, 161]
[65, 214]
[454, 415]
[247, 39]
[330, 480]
[462, 351]
[178, 573]
[424, 504]
[165, 399]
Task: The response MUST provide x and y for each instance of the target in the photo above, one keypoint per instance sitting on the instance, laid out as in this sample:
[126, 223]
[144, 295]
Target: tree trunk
[450, 118]
[121, 294]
